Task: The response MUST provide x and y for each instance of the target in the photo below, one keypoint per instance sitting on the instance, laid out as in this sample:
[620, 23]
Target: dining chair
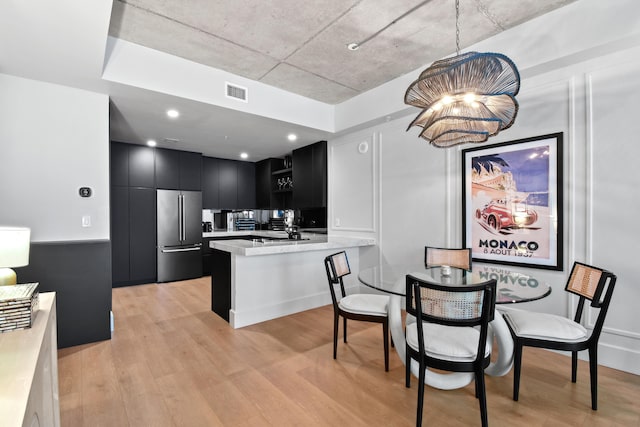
[363, 307]
[460, 258]
[554, 332]
[450, 332]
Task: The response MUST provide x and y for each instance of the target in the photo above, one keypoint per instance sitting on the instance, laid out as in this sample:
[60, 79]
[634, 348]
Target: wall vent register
[237, 92]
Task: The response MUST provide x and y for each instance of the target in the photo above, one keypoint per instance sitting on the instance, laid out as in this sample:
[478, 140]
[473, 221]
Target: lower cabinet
[142, 235]
[133, 235]
[221, 283]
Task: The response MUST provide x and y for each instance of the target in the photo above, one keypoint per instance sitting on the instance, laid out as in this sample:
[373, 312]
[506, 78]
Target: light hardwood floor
[172, 362]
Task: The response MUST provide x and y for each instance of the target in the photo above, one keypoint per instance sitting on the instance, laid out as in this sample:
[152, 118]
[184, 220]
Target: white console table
[29, 371]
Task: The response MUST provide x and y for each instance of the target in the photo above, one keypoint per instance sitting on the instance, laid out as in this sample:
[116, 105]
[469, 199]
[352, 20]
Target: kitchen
[177, 215]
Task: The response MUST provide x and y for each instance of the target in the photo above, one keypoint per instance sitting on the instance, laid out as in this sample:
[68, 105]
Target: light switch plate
[86, 221]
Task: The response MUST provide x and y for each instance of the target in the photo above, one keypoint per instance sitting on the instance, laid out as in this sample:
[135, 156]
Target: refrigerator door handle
[180, 217]
[184, 220]
[168, 251]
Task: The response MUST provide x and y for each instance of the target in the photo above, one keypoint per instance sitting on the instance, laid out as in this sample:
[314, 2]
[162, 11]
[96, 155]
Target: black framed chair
[560, 333]
[363, 307]
[450, 332]
[459, 258]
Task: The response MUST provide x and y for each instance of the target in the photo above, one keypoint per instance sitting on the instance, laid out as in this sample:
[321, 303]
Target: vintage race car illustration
[501, 214]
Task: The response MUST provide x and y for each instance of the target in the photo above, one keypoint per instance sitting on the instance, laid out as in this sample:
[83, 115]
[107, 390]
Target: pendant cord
[457, 27]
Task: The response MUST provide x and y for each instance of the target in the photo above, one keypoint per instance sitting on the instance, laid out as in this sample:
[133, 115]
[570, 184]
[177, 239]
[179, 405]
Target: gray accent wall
[80, 274]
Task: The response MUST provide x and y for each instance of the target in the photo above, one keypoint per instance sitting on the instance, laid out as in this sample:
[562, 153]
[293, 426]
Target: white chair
[363, 307]
[450, 332]
[544, 330]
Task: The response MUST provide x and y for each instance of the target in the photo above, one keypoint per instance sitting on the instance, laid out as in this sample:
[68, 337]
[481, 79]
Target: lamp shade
[14, 246]
[467, 98]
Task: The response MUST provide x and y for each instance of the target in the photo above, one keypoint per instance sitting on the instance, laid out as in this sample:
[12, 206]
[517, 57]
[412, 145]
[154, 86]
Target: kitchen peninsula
[261, 279]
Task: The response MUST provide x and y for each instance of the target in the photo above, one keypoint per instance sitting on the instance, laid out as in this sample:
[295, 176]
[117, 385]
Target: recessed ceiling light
[173, 113]
[244, 155]
[292, 137]
[151, 143]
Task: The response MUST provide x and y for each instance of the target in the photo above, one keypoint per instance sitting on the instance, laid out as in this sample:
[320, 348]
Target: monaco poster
[512, 200]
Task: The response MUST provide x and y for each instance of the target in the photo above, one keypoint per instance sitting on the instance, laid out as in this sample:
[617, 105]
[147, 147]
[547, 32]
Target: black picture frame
[512, 202]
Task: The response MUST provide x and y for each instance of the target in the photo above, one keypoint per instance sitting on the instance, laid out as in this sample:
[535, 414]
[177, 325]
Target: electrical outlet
[86, 221]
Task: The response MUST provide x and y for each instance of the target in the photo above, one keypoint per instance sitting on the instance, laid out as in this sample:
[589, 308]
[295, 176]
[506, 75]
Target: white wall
[570, 84]
[53, 140]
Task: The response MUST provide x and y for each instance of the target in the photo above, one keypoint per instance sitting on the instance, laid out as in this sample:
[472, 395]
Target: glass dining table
[512, 287]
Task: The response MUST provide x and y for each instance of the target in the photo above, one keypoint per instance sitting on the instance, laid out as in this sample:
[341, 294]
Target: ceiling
[300, 47]
[286, 45]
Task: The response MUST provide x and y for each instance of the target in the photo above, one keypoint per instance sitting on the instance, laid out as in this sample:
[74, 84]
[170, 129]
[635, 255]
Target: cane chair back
[459, 258]
[544, 330]
[363, 307]
[451, 328]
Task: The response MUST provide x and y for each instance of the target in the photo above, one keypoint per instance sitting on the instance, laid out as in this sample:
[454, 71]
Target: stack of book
[18, 306]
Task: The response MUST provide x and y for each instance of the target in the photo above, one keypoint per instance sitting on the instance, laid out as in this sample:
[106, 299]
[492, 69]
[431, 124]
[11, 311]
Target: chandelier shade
[465, 99]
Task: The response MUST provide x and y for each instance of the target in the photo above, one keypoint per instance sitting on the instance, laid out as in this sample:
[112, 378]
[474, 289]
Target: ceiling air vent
[236, 92]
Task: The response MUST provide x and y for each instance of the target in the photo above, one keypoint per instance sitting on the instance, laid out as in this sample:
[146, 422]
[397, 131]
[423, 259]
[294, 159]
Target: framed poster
[512, 202]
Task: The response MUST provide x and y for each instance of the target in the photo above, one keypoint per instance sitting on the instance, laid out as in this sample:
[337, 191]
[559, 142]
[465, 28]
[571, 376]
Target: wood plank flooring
[172, 362]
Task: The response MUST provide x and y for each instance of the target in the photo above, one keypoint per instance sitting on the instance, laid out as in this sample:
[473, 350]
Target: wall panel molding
[354, 159]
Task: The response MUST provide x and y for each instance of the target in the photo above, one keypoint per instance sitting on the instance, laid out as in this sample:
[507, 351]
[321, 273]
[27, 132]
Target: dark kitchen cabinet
[190, 171]
[246, 185]
[310, 176]
[221, 283]
[178, 170]
[210, 181]
[141, 166]
[167, 169]
[119, 164]
[133, 214]
[319, 174]
[119, 233]
[142, 234]
[133, 235]
[263, 184]
[228, 183]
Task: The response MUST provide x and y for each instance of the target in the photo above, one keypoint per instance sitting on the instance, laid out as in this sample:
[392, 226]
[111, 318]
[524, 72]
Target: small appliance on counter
[207, 226]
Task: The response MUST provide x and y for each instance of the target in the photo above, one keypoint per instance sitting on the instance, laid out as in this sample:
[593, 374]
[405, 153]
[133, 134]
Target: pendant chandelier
[466, 98]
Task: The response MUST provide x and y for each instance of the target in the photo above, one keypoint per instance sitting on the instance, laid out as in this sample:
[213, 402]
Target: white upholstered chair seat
[369, 304]
[545, 326]
[447, 342]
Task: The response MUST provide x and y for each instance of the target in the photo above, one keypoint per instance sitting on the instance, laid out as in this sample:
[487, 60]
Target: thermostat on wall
[85, 192]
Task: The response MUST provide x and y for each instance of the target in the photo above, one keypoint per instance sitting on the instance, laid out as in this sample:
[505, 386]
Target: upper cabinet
[246, 185]
[141, 166]
[210, 189]
[132, 165]
[228, 184]
[310, 176]
[178, 170]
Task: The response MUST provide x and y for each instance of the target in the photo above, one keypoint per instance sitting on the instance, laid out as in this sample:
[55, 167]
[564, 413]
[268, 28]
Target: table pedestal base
[500, 367]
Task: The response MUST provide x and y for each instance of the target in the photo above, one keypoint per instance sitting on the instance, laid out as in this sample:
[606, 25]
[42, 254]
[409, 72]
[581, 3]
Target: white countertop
[22, 377]
[316, 242]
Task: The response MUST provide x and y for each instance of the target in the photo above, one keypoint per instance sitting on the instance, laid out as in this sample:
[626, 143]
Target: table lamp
[14, 252]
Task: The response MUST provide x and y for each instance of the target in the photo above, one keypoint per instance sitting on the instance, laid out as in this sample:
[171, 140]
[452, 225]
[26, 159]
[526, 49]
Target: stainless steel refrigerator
[179, 219]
